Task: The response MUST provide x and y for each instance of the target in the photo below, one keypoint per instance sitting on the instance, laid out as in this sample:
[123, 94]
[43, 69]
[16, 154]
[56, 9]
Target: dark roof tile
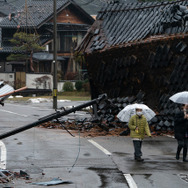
[6, 8]
[125, 23]
[37, 12]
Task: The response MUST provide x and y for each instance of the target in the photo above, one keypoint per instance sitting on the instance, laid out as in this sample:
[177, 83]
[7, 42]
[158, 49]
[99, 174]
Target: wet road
[101, 162]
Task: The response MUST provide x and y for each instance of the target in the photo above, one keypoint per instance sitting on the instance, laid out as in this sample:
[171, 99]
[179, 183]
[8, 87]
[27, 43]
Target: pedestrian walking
[181, 131]
[138, 126]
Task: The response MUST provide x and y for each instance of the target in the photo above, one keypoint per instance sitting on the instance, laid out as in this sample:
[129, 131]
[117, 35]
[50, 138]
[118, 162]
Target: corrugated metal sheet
[4, 90]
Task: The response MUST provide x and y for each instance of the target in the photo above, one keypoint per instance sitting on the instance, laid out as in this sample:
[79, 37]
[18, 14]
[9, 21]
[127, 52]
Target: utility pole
[55, 59]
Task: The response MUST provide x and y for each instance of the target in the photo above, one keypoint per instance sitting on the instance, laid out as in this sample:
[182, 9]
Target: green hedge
[79, 85]
[68, 86]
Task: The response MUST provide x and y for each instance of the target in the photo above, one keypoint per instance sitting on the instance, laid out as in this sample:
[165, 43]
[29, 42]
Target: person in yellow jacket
[138, 126]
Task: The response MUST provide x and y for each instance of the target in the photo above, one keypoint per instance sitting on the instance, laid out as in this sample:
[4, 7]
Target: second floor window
[68, 40]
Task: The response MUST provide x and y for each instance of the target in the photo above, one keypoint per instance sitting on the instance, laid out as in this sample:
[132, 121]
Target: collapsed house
[139, 49]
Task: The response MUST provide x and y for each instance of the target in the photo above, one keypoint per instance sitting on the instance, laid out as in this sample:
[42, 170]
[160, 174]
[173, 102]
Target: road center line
[130, 181]
[3, 155]
[100, 147]
[14, 113]
[26, 106]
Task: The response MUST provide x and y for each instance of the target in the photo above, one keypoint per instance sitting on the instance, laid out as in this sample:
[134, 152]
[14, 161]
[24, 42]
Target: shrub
[68, 86]
[86, 85]
[79, 85]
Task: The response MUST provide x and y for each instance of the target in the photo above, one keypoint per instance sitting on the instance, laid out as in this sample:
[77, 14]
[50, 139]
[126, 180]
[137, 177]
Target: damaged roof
[118, 25]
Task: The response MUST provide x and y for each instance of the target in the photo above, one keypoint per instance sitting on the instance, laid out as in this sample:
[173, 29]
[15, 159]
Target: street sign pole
[55, 58]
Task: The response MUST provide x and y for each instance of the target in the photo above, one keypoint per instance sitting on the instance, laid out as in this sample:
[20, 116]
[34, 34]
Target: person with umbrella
[138, 126]
[137, 115]
[181, 131]
[181, 123]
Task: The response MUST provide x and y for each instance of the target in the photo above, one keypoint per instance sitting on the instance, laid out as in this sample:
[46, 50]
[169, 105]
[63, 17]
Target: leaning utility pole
[55, 59]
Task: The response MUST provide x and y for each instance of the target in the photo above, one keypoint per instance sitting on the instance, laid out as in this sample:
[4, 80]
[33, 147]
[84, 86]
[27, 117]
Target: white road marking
[3, 155]
[100, 147]
[13, 113]
[184, 177]
[130, 181]
[26, 106]
[45, 109]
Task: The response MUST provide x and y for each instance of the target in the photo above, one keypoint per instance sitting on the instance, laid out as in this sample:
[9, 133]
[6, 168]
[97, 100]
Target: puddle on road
[36, 115]
[159, 165]
[121, 154]
[87, 154]
[109, 177]
[150, 142]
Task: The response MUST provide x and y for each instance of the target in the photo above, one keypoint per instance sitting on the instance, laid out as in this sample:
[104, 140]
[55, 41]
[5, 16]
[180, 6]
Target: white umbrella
[130, 110]
[181, 97]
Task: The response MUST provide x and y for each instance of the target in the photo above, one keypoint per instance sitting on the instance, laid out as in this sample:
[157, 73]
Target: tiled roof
[122, 24]
[37, 13]
[92, 7]
[45, 56]
[6, 8]
[17, 3]
[6, 49]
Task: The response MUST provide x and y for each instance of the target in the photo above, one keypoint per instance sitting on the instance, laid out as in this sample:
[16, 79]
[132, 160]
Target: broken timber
[55, 115]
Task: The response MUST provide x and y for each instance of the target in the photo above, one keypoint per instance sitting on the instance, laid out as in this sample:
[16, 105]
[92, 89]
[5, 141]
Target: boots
[185, 155]
[178, 152]
[139, 159]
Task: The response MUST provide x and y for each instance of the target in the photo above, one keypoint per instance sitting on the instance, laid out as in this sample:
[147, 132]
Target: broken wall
[158, 68]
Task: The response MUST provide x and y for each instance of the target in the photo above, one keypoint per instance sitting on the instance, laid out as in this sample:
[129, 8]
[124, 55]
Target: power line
[91, 2]
[146, 7]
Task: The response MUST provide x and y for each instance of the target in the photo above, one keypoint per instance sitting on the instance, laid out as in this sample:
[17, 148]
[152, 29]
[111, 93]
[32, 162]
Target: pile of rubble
[162, 122]
[105, 121]
[8, 176]
[87, 128]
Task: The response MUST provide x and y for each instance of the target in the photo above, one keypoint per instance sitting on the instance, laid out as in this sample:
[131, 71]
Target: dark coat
[180, 126]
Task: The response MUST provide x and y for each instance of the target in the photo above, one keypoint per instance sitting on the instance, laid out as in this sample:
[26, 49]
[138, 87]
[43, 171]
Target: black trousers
[137, 148]
[182, 144]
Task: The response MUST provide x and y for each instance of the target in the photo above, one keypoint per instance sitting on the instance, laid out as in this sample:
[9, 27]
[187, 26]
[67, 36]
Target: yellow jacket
[142, 124]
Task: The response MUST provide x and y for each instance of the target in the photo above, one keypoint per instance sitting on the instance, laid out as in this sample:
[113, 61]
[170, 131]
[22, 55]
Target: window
[68, 41]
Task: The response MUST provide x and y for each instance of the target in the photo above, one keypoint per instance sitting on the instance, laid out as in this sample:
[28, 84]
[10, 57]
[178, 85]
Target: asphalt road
[87, 162]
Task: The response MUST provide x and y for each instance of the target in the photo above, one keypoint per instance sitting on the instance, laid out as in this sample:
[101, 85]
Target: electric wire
[87, 3]
[79, 148]
[90, 3]
[34, 145]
